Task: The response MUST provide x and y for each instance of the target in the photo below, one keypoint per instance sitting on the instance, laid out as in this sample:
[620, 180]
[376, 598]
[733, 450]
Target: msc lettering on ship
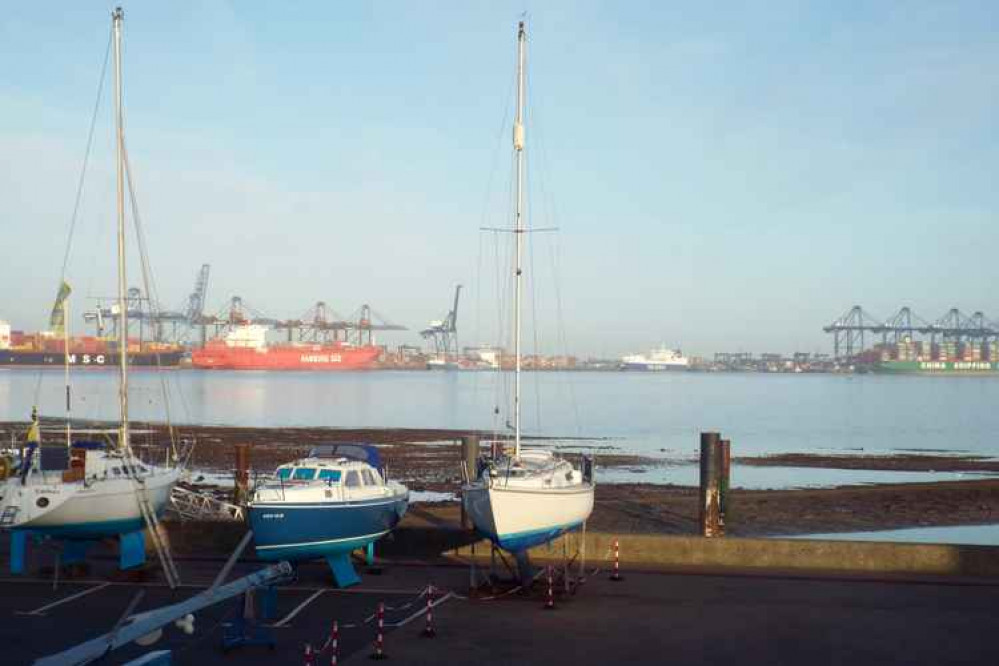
[86, 359]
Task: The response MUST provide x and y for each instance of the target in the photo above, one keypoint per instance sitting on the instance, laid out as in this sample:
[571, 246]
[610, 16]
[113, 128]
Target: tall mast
[518, 229]
[117, 17]
[65, 367]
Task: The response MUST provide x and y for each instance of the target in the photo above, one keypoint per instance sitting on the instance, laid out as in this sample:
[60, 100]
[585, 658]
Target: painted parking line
[298, 609]
[65, 600]
[422, 612]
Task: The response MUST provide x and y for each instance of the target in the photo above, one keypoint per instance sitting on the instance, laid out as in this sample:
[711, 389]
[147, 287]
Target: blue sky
[725, 176]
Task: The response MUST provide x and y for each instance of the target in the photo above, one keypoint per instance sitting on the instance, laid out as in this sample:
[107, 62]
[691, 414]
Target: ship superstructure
[656, 360]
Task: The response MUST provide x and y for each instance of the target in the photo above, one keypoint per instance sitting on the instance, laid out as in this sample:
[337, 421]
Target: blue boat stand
[131, 551]
[249, 627]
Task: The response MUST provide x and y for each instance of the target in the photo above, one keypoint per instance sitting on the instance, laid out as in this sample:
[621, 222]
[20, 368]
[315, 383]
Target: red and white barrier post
[616, 573]
[379, 652]
[428, 630]
[310, 656]
[335, 644]
[550, 597]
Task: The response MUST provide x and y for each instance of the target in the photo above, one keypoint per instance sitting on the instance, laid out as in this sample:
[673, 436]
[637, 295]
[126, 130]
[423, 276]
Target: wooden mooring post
[470, 462]
[241, 487]
[725, 452]
[711, 467]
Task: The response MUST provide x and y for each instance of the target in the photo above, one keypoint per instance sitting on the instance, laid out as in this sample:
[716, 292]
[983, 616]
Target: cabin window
[284, 473]
[369, 478]
[116, 471]
[353, 479]
[305, 474]
[329, 475]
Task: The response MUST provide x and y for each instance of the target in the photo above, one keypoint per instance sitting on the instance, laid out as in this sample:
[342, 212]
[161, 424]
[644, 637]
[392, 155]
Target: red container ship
[245, 348]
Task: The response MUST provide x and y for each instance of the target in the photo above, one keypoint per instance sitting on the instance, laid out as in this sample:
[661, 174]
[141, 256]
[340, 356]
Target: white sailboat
[530, 497]
[84, 491]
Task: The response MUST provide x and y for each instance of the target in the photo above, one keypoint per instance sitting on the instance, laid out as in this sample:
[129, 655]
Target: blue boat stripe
[320, 505]
[518, 541]
[517, 535]
[319, 543]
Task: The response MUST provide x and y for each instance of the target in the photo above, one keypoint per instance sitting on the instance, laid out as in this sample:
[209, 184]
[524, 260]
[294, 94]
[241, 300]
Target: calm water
[657, 414]
[975, 535]
[652, 414]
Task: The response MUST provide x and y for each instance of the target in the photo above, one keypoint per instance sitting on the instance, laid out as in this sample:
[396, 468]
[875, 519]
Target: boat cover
[351, 450]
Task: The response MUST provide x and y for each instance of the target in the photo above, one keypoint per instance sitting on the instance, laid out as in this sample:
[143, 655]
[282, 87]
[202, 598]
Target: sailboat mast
[65, 367]
[117, 17]
[518, 229]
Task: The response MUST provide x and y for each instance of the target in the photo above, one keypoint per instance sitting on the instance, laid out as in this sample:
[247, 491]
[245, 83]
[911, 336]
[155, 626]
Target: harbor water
[658, 415]
[655, 414]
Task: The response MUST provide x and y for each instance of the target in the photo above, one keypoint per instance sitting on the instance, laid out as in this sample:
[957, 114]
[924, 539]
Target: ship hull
[310, 357]
[938, 367]
[655, 367]
[166, 359]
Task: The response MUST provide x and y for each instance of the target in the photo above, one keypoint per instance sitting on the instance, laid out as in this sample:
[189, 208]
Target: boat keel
[343, 570]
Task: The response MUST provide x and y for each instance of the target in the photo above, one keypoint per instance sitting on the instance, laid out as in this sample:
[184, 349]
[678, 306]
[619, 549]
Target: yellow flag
[57, 320]
[34, 435]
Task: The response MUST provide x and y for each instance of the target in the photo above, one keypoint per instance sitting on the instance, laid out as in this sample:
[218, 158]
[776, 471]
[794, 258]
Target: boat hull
[103, 509]
[280, 357]
[655, 367]
[938, 367]
[165, 359]
[516, 519]
[309, 531]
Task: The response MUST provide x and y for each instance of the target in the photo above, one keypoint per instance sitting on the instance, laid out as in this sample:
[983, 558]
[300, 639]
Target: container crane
[444, 333]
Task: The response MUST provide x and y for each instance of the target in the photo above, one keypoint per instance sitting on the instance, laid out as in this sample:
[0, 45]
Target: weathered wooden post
[470, 460]
[725, 454]
[710, 473]
[241, 487]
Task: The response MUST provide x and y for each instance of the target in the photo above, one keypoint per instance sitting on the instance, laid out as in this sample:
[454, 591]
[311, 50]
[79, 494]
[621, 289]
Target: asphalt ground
[658, 618]
[671, 617]
[38, 620]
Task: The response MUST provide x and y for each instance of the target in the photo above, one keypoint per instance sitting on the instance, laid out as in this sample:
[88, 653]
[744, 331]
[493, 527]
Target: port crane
[850, 329]
[444, 333]
[142, 312]
[319, 324]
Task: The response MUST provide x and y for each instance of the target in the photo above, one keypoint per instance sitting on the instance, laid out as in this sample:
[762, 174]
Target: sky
[723, 176]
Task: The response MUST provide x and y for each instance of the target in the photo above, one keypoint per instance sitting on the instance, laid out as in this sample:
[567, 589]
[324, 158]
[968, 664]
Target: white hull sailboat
[538, 499]
[528, 497]
[87, 490]
[103, 503]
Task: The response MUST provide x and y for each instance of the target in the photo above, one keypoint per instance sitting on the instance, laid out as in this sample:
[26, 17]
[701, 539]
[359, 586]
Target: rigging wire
[549, 213]
[152, 294]
[533, 288]
[553, 218]
[483, 217]
[79, 187]
[86, 159]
